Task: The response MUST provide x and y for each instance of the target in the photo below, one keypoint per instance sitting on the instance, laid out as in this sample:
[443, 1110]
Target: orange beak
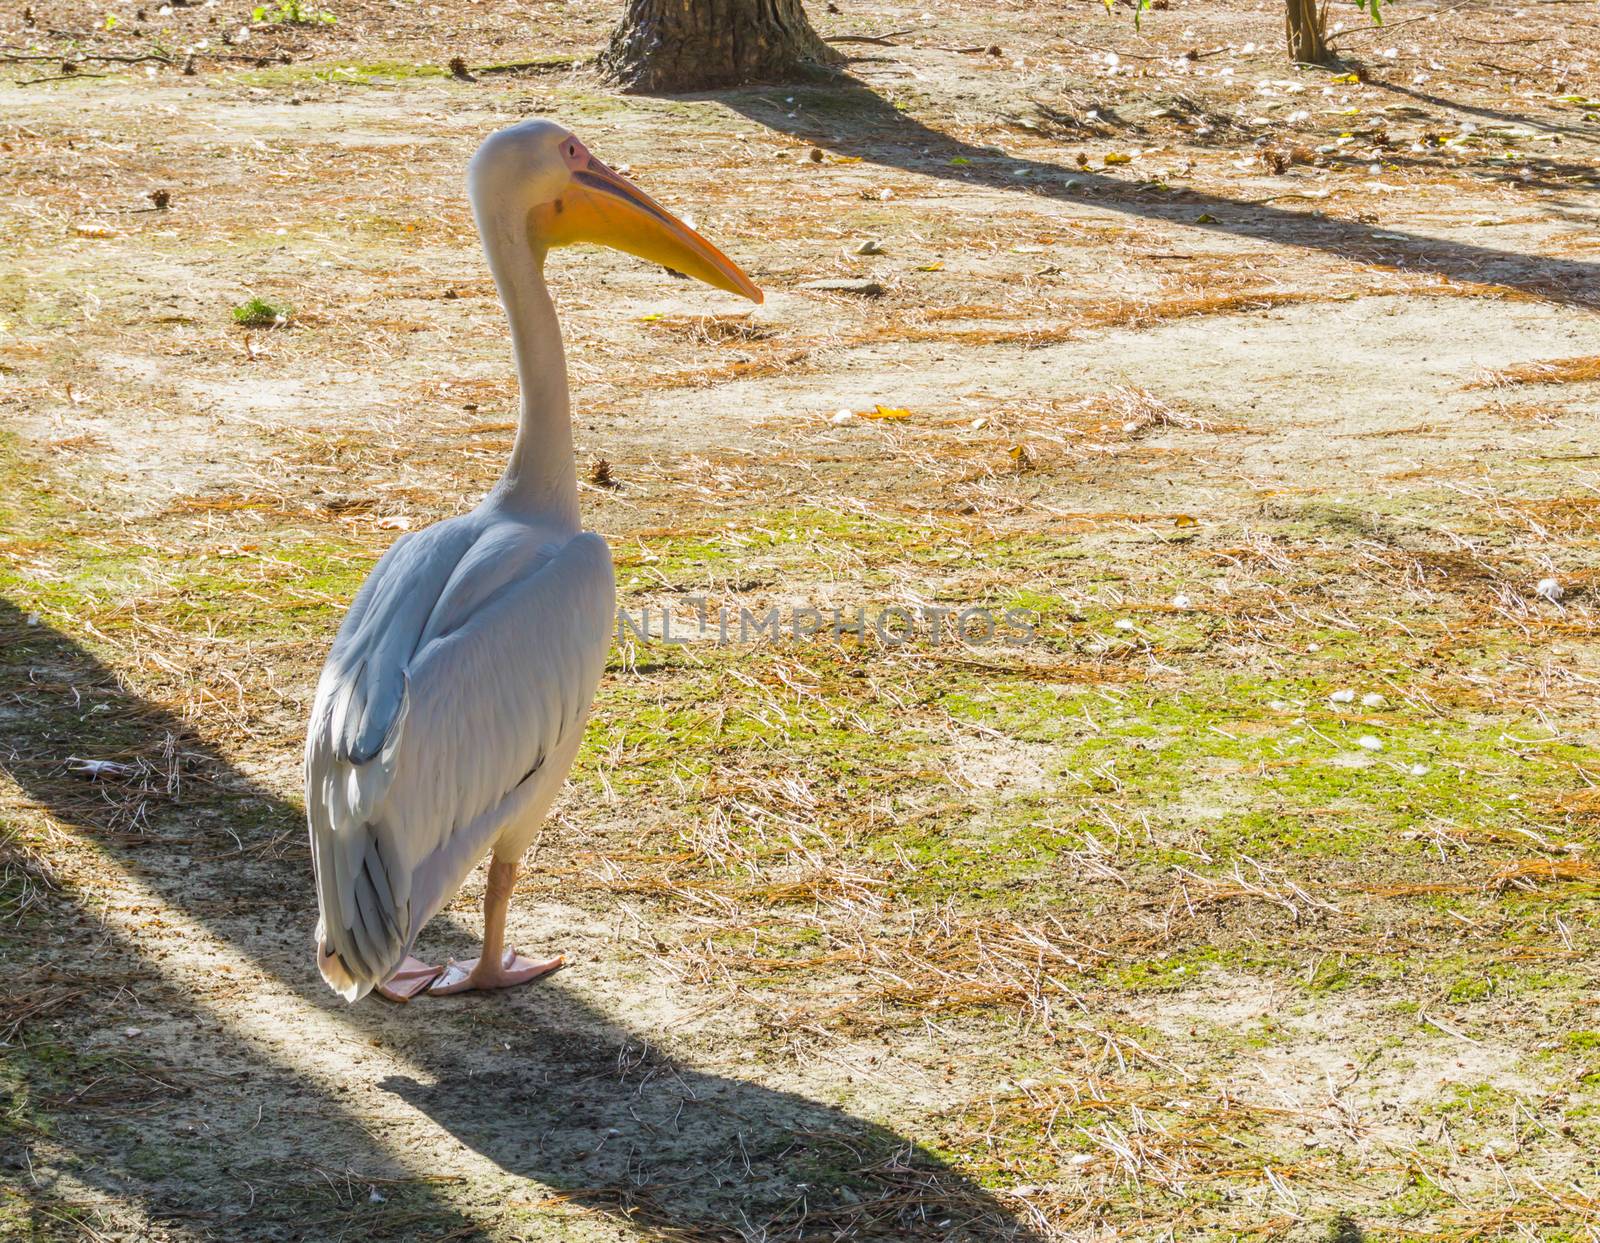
[606, 208]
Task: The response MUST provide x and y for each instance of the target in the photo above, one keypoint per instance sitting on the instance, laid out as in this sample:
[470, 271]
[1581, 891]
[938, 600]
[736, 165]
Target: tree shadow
[850, 119]
[574, 1100]
[189, 1125]
[1477, 110]
[1547, 178]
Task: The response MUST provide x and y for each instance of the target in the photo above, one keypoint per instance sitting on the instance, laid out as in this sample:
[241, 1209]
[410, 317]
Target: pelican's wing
[404, 800]
[362, 685]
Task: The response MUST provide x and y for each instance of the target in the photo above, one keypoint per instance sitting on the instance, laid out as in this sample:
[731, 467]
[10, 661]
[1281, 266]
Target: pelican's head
[538, 177]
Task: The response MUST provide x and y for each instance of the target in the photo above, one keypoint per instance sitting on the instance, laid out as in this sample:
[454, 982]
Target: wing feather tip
[338, 976]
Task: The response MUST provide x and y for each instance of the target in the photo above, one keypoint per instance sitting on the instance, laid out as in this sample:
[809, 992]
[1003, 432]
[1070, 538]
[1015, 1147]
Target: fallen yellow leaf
[886, 412]
[1118, 157]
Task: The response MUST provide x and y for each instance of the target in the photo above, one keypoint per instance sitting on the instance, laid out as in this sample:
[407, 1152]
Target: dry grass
[1583, 804]
[1566, 517]
[1068, 321]
[1582, 370]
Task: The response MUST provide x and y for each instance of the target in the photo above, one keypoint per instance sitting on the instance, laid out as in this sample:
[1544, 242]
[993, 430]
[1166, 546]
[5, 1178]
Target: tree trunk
[1308, 45]
[686, 45]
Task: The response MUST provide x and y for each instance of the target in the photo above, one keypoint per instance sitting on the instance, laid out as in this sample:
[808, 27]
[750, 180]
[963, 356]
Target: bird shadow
[847, 117]
[611, 1123]
[572, 1098]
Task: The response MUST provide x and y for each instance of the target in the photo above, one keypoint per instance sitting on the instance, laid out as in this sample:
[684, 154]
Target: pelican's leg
[414, 976]
[496, 966]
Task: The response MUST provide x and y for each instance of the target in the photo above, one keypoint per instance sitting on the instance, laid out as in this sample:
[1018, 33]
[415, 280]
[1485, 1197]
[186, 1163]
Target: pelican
[451, 706]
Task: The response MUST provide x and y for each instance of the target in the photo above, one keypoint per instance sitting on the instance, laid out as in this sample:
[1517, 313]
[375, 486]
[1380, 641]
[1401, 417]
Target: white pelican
[451, 706]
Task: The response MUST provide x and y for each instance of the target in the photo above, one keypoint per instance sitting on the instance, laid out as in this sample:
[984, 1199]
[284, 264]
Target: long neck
[540, 479]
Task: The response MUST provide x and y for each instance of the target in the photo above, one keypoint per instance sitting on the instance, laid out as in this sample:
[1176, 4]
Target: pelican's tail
[362, 924]
[363, 895]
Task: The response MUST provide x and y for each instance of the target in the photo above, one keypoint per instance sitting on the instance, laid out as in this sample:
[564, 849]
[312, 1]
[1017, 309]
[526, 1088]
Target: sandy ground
[1253, 898]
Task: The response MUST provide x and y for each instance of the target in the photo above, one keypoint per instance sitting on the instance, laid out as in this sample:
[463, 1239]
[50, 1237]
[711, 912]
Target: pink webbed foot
[413, 977]
[462, 977]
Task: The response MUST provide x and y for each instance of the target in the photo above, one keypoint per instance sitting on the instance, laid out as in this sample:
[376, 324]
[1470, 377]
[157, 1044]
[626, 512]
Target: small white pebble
[1368, 743]
[1131, 426]
[979, 423]
[1372, 700]
[885, 195]
[1343, 697]
[1277, 705]
[1313, 647]
[843, 416]
[33, 619]
[1122, 623]
[1550, 589]
[376, 1197]
[131, 1032]
[1080, 1158]
[1418, 770]
[1180, 601]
